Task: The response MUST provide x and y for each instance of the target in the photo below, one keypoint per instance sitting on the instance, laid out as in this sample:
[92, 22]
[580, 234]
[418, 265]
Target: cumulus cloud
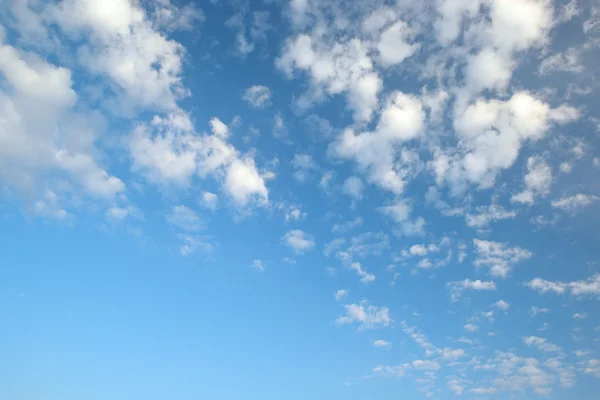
[498, 257]
[589, 287]
[299, 241]
[365, 315]
[257, 96]
[365, 277]
[537, 181]
[575, 203]
[457, 288]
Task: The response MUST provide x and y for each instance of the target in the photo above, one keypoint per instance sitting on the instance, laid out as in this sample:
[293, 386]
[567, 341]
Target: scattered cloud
[299, 241]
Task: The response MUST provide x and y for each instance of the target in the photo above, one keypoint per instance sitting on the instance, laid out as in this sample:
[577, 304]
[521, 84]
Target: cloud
[347, 226]
[537, 181]
[498, 257]
[488, 214]
[365, 277]
[502, 305]
[458, 287]
[381, 343]
[340, 294]
[353, 187]
[534, 311]
[580, 316]
[185, 218]
[583, 288]
[258, 266]
[365, 315]
[471, 328]
[258, 96]
[210, 200]
[294, 214]
[298, 241]
[575, 203]
[541, 344]
[303, 165]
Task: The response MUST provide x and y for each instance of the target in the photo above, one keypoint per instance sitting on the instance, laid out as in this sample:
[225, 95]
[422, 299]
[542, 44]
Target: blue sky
[299, 199]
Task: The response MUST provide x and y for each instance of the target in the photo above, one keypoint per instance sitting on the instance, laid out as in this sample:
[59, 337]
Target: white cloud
[502, 305]
[347, 226]
[471, 328]
[257, 96]
[353, 187]
[45, 134]
[541, 344]
[191, 244]
[418, 250]
[537, 181]
[303, 165]
[394, 44]
[258, 266]
[580, 316]
[488, 214]
[185, 218]
[498, 257]
[298, 241]
[293, 213]
[458, 287]
[210, 200]
[340, 294]
[588, 287]
[381, 343]
[367, 316]
[575, 203]
[534, 311]
[365, 277]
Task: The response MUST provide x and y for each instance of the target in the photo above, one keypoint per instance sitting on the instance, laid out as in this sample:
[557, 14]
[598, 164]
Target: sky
[303, 199]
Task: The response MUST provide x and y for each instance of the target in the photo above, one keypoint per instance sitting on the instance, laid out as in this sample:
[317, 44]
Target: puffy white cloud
[42, 136]
[191, 244]
[575, 202]
[303, 164]
[124, 46]
[534, 311]
[502, 305]
[471, 328]
[541, 344]
[294, 214]
[244, 183]
[395, 44]
[299, 241]
[185, 218]
[257, 96]
[417, 250]
[498, 257]
[537, 181]
[365, 277]
[365, 315]
[458, 287]
[589, 287]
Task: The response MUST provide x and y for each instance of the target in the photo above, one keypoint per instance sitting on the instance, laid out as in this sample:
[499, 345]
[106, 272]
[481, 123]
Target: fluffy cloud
[498, 257]
[575, 203]
[258, 266]
[353, 187]
[537, 181]
[365, 315]
[257, 96]
[589, 287]
[502, 305]
[381, 343]
[458, 287]
[541, 344]
[298, 241]
[365, 277]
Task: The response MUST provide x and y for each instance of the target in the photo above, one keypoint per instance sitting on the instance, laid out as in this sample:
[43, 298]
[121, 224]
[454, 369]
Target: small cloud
[258, 96]
[471, 328]
[258, 266]
[299, 241]
[340, 294]
[580, 316]
[185, 219]
[382, 343]
[502, 305]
